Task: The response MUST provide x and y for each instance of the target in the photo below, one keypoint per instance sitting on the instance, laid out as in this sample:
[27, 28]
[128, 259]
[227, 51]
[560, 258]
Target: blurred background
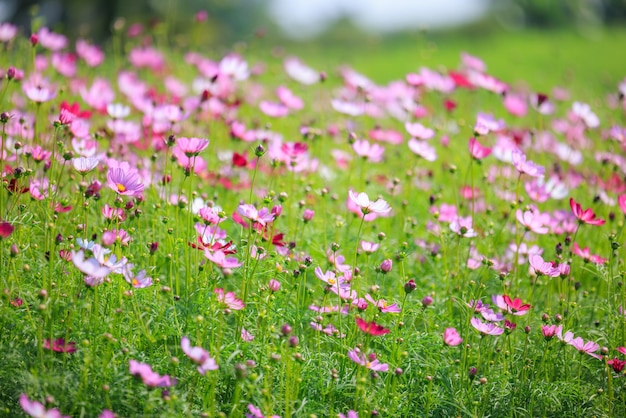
[238, 20]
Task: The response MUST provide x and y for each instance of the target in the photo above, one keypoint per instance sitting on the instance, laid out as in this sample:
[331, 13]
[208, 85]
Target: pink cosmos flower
[584, 112]
[289, 99]
[515, 105]
[91, 54]
[300, 72]
[229, 299]
[463, 226]
[148, 376]
[451, 337]
[7, 31]
[383, 306]
[90, 267]
[486, 328]
[199, 356]
[371, 152]
[532, 220]
[37, 410]
[585, 254]
[191, 146]
[50, 40]
[350, 414]
[486, 123]
[124, 180]
[138, 281]
[525, 166]
[586, 216]
[6, 229]
[549, 331]
[379, 207]
[539, 266]
[369, 247]
[422, 149]
[360, 358]
[419, 131]
[477, 150]
[219, 258]
[588, 347]
[273, 109]
[262, 217]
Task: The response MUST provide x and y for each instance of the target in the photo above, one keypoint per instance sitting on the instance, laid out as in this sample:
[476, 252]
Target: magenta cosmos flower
[379, 207]
[198, 355]
[148, 376]
[586, 216]
[263, 216]
[371, 362]
[219, 259]
[124, 180]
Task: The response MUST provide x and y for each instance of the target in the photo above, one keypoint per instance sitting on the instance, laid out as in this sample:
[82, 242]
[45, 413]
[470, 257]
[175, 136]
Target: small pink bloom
[477, 150]
[543, 267]
[451, 337]
[229, 299]
[198, 355]
[486, 328]
[148, 376]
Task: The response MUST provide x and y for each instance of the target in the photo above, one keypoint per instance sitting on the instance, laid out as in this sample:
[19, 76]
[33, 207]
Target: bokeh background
[239, 20]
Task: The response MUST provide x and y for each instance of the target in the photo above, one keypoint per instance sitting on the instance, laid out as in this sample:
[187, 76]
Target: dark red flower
[6, 229]
[371, 328]
[616, 364]
[60, 346]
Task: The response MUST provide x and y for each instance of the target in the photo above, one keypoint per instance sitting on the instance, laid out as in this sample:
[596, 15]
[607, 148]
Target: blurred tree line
[554, 13]
[226, 20]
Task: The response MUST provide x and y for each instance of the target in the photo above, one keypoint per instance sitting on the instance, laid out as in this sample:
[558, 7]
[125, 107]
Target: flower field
[184, 233]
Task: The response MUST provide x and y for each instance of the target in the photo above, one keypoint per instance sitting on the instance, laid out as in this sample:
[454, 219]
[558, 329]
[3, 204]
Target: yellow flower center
[331, 281]
[135, 282]
[121, 188]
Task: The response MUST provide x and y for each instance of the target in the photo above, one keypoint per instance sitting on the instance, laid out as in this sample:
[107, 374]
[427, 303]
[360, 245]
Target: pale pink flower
[584, 112]
[532, 220]
[300, 72]
[588, 347]
[289, 99]
[7, 31]
[148, 376]
[199, 356]
[486, 328]
[463, 226]
[273, 109]
[526, 166]
[419, 131]
[371, 152]
[219, 259]
[373, 364]
[379, 207]
[422, 149]
[50, 40]
[37, 410]
[262, 217]
[546, 268]
[369, 247]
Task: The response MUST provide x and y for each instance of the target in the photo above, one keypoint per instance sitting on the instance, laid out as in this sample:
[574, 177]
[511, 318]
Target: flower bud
[410, 286]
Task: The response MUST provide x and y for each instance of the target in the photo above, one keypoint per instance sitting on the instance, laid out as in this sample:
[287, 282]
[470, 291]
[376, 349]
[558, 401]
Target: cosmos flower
[229, 299]
[148, 376]
[486, 328]
[124, 180]
[198, 355]
[379, 207]
[37, 410]
[586, 216]
[373, 364]
[371, 328]
[451, 337]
